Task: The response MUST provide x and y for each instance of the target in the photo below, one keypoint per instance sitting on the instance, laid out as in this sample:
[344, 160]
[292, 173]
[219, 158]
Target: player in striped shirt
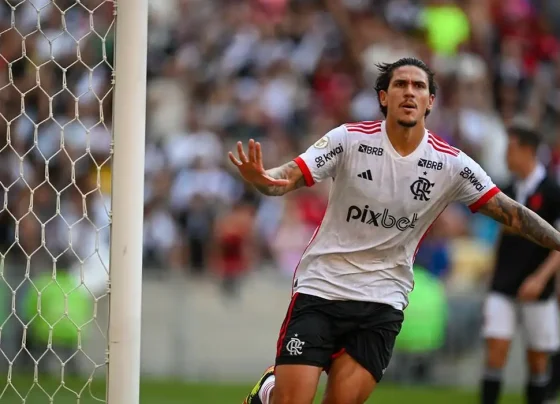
[391, 179]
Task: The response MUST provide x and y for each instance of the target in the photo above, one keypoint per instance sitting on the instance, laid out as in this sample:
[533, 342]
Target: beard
[407, 124]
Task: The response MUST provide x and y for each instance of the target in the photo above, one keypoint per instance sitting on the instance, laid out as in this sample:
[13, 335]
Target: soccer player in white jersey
[391, 179]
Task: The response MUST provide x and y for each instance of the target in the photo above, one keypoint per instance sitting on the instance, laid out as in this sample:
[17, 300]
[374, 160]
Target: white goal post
[129, 105]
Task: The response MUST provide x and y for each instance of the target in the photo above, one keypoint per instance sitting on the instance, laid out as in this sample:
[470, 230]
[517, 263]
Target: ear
[383, 98]
[431, 102]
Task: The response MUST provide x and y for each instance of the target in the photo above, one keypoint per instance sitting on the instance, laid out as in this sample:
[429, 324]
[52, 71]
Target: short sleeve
[473, 187]
[323, 158]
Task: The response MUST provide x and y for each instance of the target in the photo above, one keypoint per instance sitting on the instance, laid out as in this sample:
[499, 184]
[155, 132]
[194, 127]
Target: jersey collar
[394, 154]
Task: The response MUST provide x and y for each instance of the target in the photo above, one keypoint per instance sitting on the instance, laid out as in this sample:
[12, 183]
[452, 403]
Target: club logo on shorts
[295, 346]
[421, 189]
[321, 143]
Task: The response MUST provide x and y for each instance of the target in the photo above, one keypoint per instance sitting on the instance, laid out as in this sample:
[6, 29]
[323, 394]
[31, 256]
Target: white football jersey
[381, 205]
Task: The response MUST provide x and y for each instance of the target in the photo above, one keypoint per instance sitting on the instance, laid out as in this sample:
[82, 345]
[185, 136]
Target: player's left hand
[531, 288]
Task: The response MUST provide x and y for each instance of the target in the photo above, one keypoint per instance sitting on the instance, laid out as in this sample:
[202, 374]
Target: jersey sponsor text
[376, 151]
[469, 175]
[434, 165]
[380, 219]
[322, 159]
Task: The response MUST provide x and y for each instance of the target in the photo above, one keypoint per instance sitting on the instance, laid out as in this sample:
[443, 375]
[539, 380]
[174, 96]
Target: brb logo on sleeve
[468, 174]
[322, 159]
[380, 219]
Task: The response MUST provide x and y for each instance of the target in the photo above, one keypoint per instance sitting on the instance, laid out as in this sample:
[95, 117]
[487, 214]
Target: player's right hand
[251, 168]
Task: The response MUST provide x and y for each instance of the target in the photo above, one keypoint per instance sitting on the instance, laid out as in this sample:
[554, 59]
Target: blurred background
[219, 257]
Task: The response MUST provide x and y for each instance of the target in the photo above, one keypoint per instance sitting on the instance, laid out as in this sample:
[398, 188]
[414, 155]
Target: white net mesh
[55, 111]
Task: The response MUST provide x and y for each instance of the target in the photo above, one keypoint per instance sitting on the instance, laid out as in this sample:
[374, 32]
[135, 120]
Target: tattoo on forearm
[288, 171]
[522, 220]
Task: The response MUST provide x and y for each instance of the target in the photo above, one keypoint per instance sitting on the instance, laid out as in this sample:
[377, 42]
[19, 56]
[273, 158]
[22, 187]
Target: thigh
[540, 325]
[295, 384]
[348, 382]
[500, 317]
[304, 348]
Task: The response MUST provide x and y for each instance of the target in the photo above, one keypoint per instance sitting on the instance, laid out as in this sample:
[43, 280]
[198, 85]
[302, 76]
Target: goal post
[127, 196]
[72, 112]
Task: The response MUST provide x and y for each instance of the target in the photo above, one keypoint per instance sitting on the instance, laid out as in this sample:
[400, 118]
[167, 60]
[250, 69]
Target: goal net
[56, 90]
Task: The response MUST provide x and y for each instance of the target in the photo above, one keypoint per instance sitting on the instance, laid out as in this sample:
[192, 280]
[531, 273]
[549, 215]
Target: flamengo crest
[421, 188]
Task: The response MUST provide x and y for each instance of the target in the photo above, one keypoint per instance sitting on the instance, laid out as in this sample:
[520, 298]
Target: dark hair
[386, 74]
[526, 136]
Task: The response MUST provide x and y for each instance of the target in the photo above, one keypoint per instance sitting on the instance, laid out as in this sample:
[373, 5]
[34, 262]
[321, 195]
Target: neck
[526, 171]
[404, 140]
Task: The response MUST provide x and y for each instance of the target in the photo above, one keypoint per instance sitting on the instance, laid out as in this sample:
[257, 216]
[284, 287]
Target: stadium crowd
[282, 72]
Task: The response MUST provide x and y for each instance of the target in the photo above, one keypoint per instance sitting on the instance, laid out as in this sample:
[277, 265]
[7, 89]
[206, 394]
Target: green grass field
[180, 393]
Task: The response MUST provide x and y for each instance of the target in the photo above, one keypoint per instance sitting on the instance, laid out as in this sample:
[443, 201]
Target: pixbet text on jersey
[383, 219]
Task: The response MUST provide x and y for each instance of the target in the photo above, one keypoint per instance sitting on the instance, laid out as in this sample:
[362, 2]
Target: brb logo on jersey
[434, 165]
[322, 160]
[376, 151]
[383, 219]
[468, 174]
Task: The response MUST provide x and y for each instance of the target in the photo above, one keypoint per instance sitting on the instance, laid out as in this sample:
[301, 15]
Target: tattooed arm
[319, 162]
[289, 171]
[522, 221]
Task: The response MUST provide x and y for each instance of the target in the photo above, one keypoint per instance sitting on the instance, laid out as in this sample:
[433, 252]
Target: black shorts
[316, 331]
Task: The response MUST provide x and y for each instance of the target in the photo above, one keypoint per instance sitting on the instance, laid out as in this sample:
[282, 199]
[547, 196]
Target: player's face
[408, 97]
[516, 155]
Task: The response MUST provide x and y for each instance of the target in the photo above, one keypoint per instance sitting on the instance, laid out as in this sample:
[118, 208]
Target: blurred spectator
[232, 251]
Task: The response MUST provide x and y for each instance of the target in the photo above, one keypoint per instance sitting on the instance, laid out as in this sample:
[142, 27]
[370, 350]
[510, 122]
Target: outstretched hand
[251, 168]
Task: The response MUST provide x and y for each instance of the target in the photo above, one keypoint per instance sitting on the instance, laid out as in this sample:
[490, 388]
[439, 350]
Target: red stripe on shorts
[284, 328]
